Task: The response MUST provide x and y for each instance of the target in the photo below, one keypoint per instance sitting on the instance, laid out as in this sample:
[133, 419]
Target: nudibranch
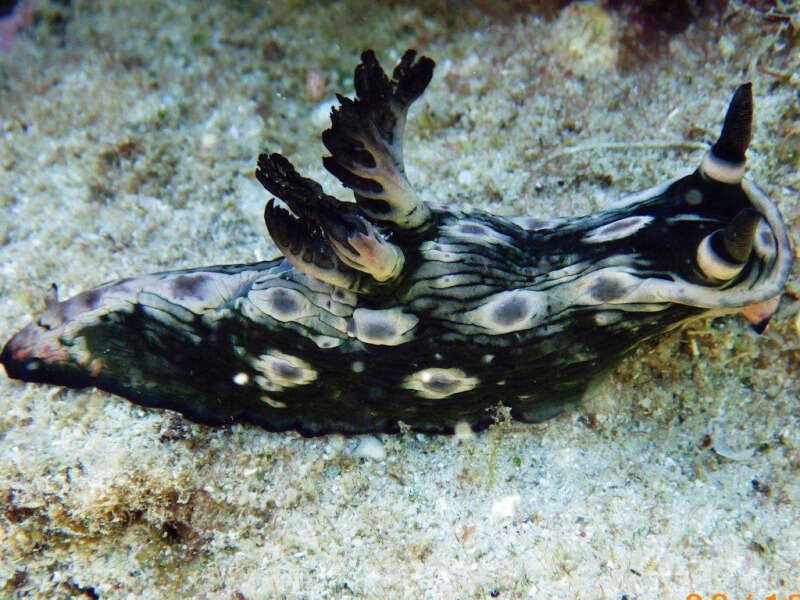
[393, 310]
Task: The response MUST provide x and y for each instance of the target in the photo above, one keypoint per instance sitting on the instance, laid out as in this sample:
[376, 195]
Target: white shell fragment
[370, 447]
[505, 507]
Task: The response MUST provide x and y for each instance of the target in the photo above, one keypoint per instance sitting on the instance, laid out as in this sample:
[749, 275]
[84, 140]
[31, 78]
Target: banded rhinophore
[392, 309]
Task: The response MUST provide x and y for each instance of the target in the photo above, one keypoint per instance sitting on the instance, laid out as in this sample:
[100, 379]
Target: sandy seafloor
[128, 138]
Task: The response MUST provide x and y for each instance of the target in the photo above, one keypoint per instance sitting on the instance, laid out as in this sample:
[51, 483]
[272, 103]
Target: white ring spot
[720, 170]
[712, 264]
[764, 241]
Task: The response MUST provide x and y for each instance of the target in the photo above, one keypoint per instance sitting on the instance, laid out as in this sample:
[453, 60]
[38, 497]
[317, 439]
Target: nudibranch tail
[389, 311]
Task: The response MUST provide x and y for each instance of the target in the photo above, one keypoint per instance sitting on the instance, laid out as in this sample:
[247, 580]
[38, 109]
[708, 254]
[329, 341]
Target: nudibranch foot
[389, 311]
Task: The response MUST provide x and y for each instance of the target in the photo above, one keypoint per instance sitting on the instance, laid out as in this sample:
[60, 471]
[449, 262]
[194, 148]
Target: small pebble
[335, 443]
[370, 447]
[315, 85]
[465, 177]
[463, 431]
[209, 140]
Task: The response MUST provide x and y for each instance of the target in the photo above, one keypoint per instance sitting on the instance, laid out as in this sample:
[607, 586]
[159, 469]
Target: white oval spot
[326, 341]
[282, 304]
[608, 317]
[466, 177]
[388, 327]
[280, 371]
[605, 286]
[533, 224]
[469, 230]
[437, 383]
[241, 379]
[694, 197]
[514, 310]
[272, 402]
[616, 230]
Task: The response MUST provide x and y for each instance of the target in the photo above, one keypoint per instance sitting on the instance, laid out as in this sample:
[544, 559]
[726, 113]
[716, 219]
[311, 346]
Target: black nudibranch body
[392, 309]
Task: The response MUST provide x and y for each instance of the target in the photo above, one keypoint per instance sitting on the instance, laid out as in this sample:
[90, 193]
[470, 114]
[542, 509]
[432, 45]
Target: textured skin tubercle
[393, 310]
